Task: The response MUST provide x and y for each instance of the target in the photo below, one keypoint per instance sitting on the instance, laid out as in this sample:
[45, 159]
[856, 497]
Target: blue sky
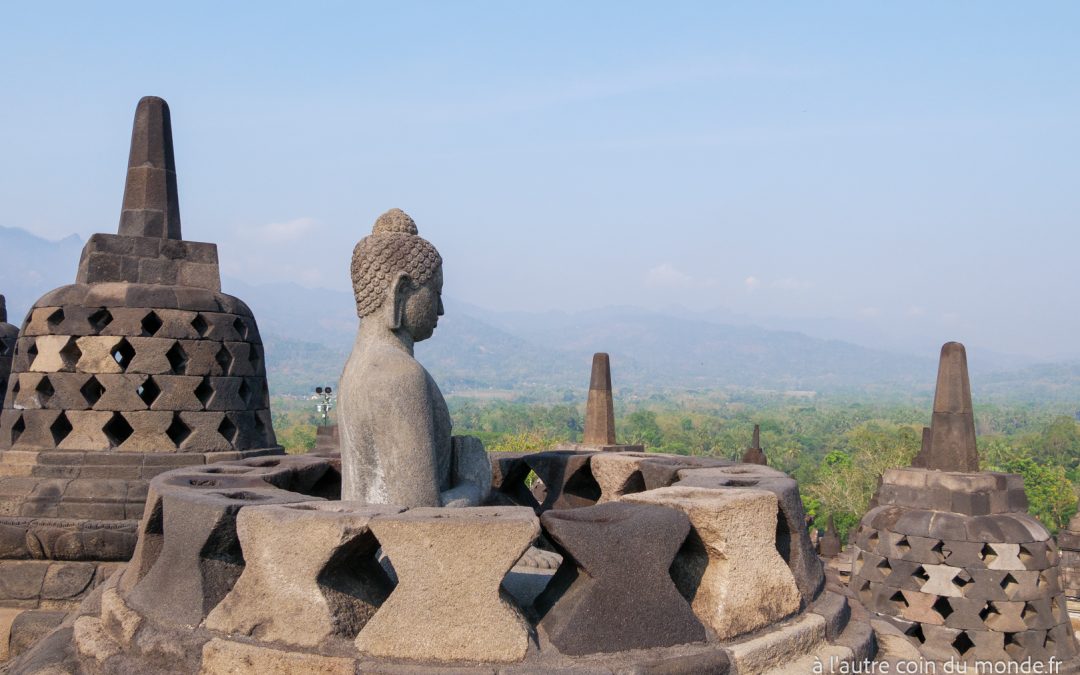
[905, 173]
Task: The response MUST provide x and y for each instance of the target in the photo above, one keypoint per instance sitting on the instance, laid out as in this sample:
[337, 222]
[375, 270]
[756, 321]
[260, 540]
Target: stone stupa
[950, 557]
[754, 454]
[8, 335]
[143, 365]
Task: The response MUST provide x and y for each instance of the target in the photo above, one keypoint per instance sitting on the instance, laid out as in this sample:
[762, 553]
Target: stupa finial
[754, 454]
[952, 427]
[151, 205]
[3, 309]
[600, 408]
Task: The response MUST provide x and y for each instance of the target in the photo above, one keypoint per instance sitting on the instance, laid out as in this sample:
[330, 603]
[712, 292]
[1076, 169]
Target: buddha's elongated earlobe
[395, 301]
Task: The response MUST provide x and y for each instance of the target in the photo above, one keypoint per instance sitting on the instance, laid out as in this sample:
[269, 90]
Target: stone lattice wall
[132, 378]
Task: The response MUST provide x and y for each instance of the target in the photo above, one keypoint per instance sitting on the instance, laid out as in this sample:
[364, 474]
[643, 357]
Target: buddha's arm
[408, 440]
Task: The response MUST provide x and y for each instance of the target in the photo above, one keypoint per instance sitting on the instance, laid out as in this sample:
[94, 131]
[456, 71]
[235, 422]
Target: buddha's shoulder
[388, 364]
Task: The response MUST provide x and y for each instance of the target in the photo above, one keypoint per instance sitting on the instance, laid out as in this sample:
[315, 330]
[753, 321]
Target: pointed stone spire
[923, 456]
[754, 454]
[151, 206]
[600, 408]
[952, 427]
[829, 544]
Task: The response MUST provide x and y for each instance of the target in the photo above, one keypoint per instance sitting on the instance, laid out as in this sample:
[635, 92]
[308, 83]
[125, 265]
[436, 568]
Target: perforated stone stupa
[8, 335]
[140, 366]
[950, 556]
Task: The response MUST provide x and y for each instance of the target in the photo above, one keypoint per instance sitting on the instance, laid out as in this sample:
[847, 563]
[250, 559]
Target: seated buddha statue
[396, 442]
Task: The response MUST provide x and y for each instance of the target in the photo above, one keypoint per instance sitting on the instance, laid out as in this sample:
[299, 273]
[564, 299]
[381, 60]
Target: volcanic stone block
[450, 564]
[613, 591]
[567, 478]
[226, 656]
[226, 394]
[56, 353]
[87, 430]
[200, 557]
[150, 355]
[617, 474]
[176, 392]
[792, 537]
[327, 553]
[729, 567]
[206, 432]
[150, 432]
[120, 392]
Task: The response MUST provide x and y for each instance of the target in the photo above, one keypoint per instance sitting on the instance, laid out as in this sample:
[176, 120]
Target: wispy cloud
[752, 284]
[666, 275]
[285, 231]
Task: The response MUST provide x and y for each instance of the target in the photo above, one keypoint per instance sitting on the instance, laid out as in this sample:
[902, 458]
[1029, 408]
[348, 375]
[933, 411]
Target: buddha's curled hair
[393, 246]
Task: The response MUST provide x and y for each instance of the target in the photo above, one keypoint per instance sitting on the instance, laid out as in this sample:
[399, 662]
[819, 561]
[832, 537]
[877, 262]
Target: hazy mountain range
[309, 332]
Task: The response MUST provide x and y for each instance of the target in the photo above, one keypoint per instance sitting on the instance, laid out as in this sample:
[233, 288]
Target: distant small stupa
[754, 454]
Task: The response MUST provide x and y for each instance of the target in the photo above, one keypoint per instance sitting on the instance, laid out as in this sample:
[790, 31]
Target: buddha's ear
[395, 301]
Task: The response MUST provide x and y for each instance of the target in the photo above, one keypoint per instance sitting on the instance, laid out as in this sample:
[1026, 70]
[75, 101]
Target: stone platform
[714, 554]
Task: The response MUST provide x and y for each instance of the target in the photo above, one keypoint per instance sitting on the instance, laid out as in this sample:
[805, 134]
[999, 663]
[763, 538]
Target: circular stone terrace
[584, 562]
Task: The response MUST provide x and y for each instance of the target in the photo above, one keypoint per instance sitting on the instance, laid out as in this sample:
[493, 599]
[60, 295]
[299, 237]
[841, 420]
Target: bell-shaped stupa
[8, 335]
[949, 555]
[141, 366]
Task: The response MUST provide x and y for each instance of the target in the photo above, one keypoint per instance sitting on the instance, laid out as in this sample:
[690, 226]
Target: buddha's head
[397, 277]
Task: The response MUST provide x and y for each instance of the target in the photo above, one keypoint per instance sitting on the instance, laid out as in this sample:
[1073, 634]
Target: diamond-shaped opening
[178, 358]
[898, 600]
[17, 429]
[988, 611]
[148, 391]
[253, 358]
[260, 427]
[151, 324]
[204, 392]
[56, 318]
[902, 546]
[244, 392]
[1048, 644]
[178, 431]
[1025, 555]
[962, 579]
[43, 391]
[60, 429]
[1041, 582]
[100, 319]
[241, 327]
[31, 351]
[939, 550]
[200, 325]
[884, 568]
[227, 430]
[962, 643]
[224, 359]
[17, 387]
[123, 353]
[117, 430]
[920, 576]
[8, 347]
[1013, 647]
[1029, 612]
[942, 607]
[915, 631]
[92, 391]
[1009, 584]
[987, 554]
[70, 354]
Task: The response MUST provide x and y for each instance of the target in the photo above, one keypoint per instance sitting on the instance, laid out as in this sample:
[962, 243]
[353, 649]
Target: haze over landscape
[890, 176]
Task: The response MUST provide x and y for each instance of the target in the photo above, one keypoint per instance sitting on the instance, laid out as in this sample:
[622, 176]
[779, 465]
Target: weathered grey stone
[394, 424]
[613, 591]
[326, 553]
[729, 567]
[225, 657]
[792, 535]
[450, 564]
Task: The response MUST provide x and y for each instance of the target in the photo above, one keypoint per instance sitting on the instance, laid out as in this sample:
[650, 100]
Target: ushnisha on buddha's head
[397, 277]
